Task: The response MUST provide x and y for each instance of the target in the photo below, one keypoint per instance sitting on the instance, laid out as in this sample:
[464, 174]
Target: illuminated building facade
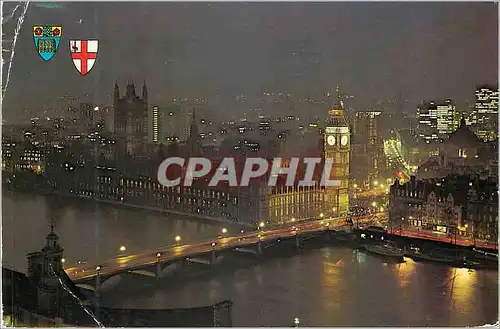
[484, 117]
[155, 124]
[8, 148]
[436, 119]
[463, 204]
[134, 182]
[337, 145]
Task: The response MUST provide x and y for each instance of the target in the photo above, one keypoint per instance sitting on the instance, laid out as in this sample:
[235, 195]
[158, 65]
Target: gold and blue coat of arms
[47, 39]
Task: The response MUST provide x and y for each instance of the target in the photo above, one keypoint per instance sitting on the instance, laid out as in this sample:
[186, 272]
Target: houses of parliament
[130, 176]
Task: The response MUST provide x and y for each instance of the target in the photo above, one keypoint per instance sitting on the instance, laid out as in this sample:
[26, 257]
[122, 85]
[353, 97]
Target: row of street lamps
[177, 239]
[213, 244]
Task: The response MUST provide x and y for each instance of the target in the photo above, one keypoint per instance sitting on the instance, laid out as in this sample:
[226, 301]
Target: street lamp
[321, 215]
[123, 248]
[224, 230]
[293, 219]
[98, 268]
[158, 255]
[63, 260]
[261, 225]
[177, 238]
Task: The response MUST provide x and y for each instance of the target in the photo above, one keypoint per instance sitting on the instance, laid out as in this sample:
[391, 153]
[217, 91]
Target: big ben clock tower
[337, 147]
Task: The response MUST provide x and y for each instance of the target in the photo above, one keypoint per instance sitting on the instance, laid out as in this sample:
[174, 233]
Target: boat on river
[418, 255]
[386, 250]
[449, 257]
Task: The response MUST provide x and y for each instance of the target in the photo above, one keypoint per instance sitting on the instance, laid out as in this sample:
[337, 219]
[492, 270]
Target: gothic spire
[117, 90]
[130, 88]
[145, 91]
[338, 106]
[51, 239]
[338, 100]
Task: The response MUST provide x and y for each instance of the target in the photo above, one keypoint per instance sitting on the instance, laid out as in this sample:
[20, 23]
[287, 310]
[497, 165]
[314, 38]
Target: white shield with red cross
[83, 54]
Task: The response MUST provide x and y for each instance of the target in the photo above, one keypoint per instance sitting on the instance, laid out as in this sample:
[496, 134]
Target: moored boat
[429, 257]
[386, 250]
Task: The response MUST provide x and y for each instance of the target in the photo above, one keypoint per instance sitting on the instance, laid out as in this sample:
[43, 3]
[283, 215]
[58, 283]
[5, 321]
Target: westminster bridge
[158, 263]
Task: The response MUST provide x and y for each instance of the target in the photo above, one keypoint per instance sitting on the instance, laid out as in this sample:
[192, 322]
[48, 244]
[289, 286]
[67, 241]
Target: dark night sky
[373, 50]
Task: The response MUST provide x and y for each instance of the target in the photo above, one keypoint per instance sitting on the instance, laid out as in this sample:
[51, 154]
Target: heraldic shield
[47, 40]
[84, 54]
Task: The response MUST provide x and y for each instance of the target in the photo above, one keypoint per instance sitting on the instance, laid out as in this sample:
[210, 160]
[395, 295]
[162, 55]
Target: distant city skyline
[374, 51]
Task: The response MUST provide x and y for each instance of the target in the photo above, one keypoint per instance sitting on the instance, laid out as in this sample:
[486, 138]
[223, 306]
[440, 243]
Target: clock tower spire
[337, 148]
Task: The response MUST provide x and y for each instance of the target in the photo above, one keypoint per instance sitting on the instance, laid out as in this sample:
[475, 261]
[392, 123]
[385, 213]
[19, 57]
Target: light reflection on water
[89, 231]
[325, 287]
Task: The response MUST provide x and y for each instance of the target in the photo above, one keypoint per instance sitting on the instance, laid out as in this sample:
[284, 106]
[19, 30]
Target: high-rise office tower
[436, 120]
[484, 117]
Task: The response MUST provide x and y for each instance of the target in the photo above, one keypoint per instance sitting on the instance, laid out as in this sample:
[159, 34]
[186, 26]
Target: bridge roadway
[126, 263]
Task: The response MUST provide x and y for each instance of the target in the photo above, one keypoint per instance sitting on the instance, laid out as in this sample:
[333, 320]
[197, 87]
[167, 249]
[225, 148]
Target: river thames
[331, 286]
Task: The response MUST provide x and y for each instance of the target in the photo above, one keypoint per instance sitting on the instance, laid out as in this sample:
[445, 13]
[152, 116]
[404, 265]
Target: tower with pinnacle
[131, 118]
[337, 147]
[45, 269]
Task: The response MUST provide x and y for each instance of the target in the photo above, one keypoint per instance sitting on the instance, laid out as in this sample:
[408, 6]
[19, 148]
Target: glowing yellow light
[355, 185]
[177, 238]
[224, 230]
[63, 260]
[375, 183]
[262, 224]
[293, 220]
[374, 204]
[321, 215]
[123, 248]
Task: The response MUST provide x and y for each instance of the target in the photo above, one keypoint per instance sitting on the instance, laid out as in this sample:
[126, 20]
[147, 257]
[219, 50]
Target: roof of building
[21, 292]
[463, 137]
[456, 185]
[204, 316]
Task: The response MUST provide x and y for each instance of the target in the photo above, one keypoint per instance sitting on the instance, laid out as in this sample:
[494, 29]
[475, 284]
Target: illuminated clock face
[330, 140]
[343, 140]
